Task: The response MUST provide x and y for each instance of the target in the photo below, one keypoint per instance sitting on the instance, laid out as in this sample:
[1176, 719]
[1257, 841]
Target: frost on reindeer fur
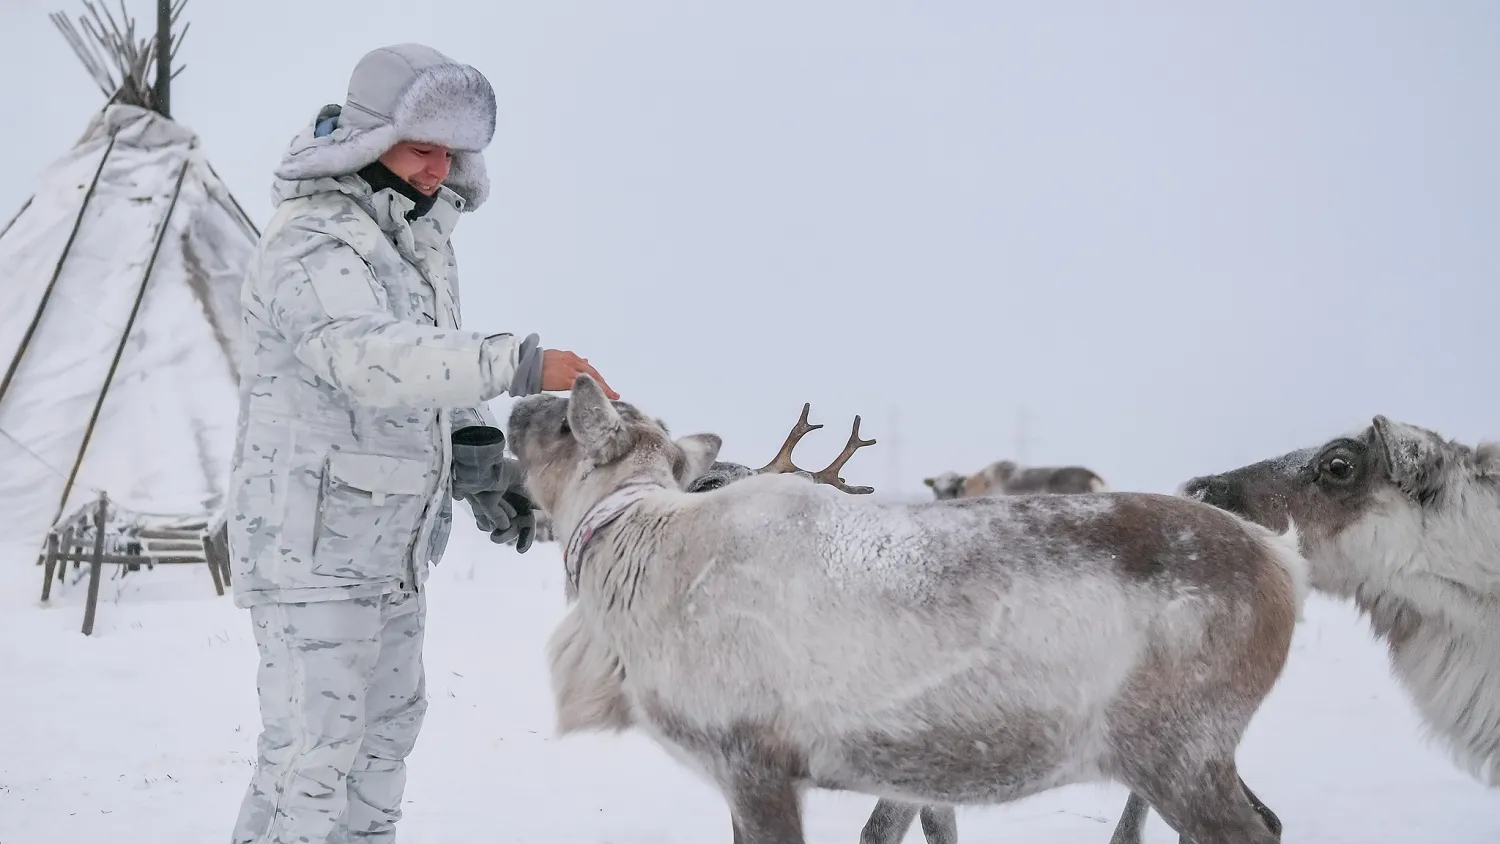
[1405, 524]
[837, 642]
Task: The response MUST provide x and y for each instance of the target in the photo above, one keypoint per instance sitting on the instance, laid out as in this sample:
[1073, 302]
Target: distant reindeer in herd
[1006, 477]
[1406, 524]
[776, 635]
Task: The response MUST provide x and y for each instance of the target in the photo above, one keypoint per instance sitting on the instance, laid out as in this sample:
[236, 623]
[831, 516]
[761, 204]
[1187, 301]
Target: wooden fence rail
[194, 545]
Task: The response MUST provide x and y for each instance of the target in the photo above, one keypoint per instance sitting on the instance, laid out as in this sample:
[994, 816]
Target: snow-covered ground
[145, 731]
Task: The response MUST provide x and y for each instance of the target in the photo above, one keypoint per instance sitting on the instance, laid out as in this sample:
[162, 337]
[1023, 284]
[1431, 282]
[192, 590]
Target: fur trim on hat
[452, 105]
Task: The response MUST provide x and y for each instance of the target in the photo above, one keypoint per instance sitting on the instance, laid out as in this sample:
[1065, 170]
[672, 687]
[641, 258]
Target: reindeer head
[1361, 502]
[583, 446]
[721, 473]
[948, 485]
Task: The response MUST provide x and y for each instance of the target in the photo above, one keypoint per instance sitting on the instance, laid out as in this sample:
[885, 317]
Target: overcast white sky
[1181, 237]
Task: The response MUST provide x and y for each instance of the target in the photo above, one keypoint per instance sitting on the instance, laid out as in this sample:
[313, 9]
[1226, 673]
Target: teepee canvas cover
[119, 284]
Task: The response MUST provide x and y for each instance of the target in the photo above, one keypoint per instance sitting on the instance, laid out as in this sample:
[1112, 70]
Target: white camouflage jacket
[356, 373]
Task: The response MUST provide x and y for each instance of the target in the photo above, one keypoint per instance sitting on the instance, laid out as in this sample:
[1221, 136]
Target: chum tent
[118, 330]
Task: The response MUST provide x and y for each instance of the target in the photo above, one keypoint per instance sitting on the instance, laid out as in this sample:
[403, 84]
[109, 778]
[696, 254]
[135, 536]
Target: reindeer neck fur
[1428, 578]
[592, 484]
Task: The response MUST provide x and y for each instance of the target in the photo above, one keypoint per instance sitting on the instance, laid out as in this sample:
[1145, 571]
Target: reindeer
[891, 819]
[1405, 524]
[775, 635]
[1005, 477]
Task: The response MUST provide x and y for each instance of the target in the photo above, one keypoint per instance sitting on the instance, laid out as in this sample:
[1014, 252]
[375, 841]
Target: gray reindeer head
[946, 486]
[1397, 474]
[560, 441]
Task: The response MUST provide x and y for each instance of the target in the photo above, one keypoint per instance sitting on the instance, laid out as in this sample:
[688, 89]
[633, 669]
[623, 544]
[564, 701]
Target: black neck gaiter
[380, 177]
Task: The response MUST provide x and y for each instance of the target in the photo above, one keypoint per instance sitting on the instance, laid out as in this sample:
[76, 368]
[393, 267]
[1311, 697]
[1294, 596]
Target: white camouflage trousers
[342, 698]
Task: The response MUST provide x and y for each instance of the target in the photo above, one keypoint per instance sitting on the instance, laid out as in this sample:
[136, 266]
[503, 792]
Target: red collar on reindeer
[609, 508]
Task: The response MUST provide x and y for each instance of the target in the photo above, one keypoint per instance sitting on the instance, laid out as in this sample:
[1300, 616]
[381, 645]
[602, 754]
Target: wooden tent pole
[246, 217]
[24, 206]
[36, 318]
[114, 364]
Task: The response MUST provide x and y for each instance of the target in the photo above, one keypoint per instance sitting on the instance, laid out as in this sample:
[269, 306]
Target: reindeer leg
[1211, 807]
[889, 822]
[767, 809]
[1131, 827]
[940, 824]
[1272, 822]
[758, 776]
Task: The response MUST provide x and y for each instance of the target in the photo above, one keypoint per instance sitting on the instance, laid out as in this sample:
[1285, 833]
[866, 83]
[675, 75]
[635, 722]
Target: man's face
[423, 166]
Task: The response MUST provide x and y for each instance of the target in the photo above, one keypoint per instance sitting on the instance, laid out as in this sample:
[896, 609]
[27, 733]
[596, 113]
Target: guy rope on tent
[133, 221]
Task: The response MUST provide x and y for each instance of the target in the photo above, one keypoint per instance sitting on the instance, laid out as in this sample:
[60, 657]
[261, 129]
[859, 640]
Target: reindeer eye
[1338, 468]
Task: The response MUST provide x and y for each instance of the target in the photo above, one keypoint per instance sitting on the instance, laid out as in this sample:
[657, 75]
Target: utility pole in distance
[1023, 436]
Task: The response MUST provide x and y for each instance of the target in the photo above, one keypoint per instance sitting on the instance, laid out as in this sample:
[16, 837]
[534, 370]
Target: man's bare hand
[559, 368]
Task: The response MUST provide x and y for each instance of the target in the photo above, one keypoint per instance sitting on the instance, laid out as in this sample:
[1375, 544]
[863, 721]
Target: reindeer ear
[1413, 457]
[596, 424]
[930, 481]
[701, 450]
[1487, 458]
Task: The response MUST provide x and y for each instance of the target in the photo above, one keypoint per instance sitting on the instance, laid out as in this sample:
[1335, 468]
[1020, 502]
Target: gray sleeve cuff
[528, 380]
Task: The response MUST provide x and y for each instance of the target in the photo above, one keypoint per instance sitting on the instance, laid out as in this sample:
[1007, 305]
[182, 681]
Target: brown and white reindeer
[1006, 477]
[891, 819]
[776, 635]
[1406, 524]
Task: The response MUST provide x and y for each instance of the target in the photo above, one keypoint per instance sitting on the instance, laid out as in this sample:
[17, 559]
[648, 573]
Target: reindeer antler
[830, 474]
[782, 462]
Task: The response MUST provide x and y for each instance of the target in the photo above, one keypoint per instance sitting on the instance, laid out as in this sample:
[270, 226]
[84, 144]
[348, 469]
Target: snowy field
[145, 732]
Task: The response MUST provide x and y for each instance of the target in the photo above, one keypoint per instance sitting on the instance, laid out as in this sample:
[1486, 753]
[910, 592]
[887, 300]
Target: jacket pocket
[369, 510]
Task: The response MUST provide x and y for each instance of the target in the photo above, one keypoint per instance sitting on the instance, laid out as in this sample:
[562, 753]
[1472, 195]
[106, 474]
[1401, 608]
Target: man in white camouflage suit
[362, 417]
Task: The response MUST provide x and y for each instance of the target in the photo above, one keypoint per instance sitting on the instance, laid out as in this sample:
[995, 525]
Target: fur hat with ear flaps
[404, 92]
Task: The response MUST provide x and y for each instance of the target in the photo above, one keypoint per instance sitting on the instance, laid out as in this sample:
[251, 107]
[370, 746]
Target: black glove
[493, 485]
[508, 516]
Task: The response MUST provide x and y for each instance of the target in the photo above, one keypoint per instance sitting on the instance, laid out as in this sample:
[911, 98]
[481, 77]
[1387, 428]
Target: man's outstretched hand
[559, 368]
